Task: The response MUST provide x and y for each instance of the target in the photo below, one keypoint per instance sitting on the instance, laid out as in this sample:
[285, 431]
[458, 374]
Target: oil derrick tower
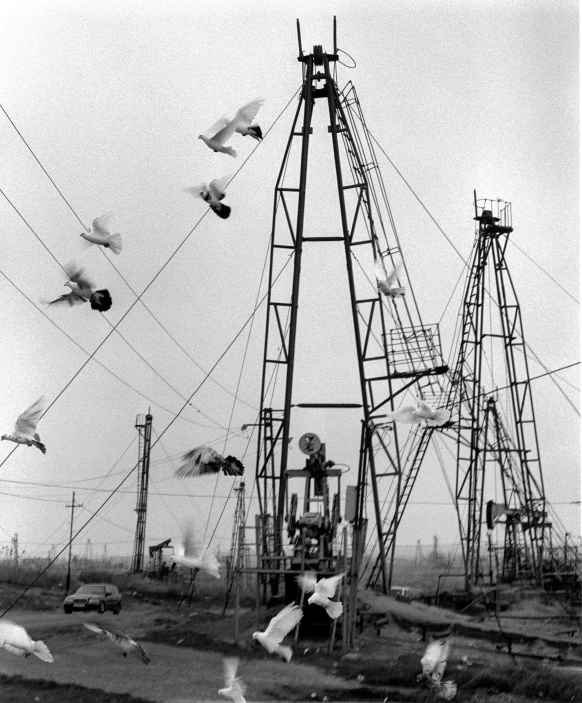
[143, 424]
[392, 350]
[497, 446]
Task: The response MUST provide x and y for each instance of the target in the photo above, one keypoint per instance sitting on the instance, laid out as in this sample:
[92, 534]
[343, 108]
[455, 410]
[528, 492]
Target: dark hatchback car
[94, 596]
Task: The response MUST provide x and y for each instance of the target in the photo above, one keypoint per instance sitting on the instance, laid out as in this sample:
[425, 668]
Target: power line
[43, 168]
[541, 268]
[138, 297]
[116, 376]
[114, 327]
[170, 423]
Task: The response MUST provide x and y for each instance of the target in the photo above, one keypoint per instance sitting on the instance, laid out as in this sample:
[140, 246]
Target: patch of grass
[531, 681]
[16, 689]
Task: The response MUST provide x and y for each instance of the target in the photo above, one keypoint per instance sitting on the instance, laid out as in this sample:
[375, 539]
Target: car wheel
[101, 608]
[117, 609]
[68, 609]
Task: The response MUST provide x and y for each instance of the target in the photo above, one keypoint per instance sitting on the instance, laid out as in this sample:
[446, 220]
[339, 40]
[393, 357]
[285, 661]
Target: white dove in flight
[222, 131]
[279, 626]
[213, 194]
[324, 590]
[82, 290]
[25, 428]
[196, 556]
[410, 415]
[246, 115]
[15, 639]
[205, 460]
[234, 687]
[433, 664]
[99, 234]
[122, 640]
[386, 281]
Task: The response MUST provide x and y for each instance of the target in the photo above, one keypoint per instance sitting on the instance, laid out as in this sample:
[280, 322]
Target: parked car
[94, 596]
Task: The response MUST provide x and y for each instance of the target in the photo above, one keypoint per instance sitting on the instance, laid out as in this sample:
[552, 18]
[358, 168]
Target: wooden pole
[345, 591]
[237, 576]
[302, 596]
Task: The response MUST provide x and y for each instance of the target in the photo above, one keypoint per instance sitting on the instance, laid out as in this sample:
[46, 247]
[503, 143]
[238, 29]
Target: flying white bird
[234, 688]
[121, 640]
[99, 234]
[386, 281]
[222, 131]
[279, 626]
[324, 590]
[205, 460]
[15, 639]
[433, 665]
[213, 194]
[196, 556]
[25, 427]
[422, 413]
[82, 290]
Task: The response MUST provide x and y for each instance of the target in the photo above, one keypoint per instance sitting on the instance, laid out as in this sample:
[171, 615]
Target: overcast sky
[111, 97]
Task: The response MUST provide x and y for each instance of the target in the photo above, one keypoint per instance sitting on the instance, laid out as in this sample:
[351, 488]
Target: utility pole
[15, 548]
[435, 549]
[418, 555]
[73, 505]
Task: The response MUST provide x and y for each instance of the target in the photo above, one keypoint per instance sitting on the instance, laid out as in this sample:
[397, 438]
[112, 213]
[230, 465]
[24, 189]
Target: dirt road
[175, 675]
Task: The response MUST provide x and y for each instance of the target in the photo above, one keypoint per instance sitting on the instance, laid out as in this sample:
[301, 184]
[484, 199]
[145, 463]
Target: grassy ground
[15, 689]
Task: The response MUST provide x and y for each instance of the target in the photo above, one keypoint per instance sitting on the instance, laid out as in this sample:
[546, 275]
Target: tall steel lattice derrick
[393, 350]
[143, 425]
[497, 448]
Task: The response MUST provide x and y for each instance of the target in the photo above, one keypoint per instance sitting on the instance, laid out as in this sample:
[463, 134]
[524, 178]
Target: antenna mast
[143, 425]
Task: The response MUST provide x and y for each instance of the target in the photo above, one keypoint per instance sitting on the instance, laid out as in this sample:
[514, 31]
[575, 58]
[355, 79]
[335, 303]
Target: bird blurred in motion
[15, 639]
[205, 460]
[433, 665]
[324, 590]
[234, 688]
[82, 290]
[278, 628]
[196, 556]
[423, 412]
[222, 131]
[100, 235]
[213, 194]
[386, 281]
[122, 640]
[25, 427]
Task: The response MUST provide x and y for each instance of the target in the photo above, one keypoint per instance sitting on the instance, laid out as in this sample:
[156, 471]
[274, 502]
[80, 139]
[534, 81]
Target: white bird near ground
[234, 687]
[446, 690]
[196, 556]
[433, 664]
[423, 412]
[122, 640]
[386, 281]
[213, 194]
[278, 628]
[100, 235]
[15, 639]
[222, 131]
[82, 290]
[25, 427]
[205, 460]
[323, 590]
